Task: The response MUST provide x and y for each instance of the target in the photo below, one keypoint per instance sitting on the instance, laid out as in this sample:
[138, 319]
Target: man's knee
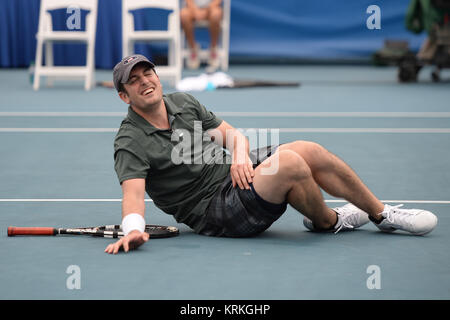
[278, 174]
[314, 154]
[185, 15]
[292, 166]
[215, 14]
[308, 148]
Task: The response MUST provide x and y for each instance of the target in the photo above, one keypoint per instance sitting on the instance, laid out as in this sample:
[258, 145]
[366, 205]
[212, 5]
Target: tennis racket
[259, 83]
[108, 231]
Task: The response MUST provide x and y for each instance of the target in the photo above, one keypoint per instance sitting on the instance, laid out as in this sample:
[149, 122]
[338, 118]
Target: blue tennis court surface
[57, 169]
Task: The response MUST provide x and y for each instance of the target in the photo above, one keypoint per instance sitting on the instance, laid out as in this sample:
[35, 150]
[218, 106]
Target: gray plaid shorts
[241, 213]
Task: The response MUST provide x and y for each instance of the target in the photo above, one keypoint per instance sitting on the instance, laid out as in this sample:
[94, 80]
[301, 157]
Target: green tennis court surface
[57, 170]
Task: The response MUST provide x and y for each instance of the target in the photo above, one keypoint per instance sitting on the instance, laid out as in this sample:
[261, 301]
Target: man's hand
[241, 171]
[131, 241]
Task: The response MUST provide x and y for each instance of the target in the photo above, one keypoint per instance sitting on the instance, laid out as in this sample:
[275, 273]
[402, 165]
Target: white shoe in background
[193, 61]
[213, 61]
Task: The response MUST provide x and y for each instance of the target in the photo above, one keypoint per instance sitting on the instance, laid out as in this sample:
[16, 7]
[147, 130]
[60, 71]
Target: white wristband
[133, 221]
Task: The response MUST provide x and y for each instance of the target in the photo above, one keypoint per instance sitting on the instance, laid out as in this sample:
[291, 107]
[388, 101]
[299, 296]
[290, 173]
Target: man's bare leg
[293, 181]
[335, 177]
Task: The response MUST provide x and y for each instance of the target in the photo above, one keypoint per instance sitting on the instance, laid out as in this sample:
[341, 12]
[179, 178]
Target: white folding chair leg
[171, 53]
[88, 80]
[49, 60]
[38, 65]
[90, 65]
[127, 47]
[225, 50]
[178, 61]
[182, 45]
[130, 48]
[124, 46]
[224, 61]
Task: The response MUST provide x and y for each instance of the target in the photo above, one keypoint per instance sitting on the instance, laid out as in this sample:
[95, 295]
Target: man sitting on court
[235, 194]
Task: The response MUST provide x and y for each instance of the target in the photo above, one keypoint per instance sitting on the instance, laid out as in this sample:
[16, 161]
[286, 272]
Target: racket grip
[31, 231]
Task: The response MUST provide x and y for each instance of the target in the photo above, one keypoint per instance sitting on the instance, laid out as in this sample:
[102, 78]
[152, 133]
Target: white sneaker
[349, 218]
[415, 221]
[193, 61]
[213, 61]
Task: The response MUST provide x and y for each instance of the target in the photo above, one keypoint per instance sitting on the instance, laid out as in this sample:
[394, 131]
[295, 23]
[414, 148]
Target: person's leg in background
[213, 14]
[188, 16]
[214, 19]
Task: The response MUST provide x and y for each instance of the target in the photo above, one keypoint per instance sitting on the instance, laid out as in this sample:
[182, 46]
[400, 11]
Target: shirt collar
[140, 122]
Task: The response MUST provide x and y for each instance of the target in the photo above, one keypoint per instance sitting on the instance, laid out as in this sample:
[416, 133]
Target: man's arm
[232, 139]
[133, 202]
[133, 197]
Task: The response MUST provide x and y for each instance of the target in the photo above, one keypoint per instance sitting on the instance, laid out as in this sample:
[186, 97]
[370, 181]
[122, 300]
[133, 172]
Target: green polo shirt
[181, 166]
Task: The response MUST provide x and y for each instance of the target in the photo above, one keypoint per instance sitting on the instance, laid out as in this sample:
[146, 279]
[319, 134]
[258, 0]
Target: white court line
[58, 130]
[65, 200]
[338, 114]
[281, 130]
[248, 114]
[401, 201]
[62, 114]
[150, 200]
[363, 130]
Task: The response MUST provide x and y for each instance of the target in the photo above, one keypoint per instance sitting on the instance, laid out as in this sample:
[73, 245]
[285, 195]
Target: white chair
[130, 36]
[46, 36]
[224, 41]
